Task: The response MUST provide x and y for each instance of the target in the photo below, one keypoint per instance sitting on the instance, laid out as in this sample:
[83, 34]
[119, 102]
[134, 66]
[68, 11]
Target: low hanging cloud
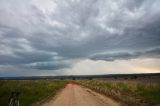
[53, 34]
[154, 53]
[49, 65]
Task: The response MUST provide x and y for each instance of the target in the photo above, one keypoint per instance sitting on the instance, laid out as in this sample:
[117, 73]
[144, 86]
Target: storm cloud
[155, 53]
[55, 34]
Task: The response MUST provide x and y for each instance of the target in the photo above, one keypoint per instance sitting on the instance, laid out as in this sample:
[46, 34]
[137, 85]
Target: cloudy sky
[73, 37]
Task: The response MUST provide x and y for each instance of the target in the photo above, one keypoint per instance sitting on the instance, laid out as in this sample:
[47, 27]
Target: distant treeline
[74, 77]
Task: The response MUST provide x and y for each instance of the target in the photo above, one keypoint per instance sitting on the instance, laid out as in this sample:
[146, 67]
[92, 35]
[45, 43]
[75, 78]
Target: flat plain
[86, 92]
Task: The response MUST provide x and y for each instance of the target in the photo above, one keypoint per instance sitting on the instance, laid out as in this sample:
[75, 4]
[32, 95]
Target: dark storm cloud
[43, 35]
[25, 58]
[49, 65]
[154, 53]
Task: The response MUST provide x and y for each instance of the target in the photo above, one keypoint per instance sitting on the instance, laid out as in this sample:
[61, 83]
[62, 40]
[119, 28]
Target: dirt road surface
[76, 95]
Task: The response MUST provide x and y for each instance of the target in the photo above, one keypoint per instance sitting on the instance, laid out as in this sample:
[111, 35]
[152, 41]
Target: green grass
[31, 91]
[127, 93]
[150, 93]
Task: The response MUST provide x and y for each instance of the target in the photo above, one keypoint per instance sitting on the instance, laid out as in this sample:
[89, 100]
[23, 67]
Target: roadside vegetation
[31, 91]
[126, 92]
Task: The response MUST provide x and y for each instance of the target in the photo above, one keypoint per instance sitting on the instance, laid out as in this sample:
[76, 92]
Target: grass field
[31, 91]
[126, 92]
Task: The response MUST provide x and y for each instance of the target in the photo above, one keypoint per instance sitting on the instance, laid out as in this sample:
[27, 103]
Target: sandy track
[75, 95]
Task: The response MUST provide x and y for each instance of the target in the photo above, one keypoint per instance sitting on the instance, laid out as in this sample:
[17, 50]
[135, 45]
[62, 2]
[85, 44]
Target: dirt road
[75, 95]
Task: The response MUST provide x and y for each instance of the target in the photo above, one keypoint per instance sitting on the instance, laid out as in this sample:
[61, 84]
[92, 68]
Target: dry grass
[126, 92]
[31, 91]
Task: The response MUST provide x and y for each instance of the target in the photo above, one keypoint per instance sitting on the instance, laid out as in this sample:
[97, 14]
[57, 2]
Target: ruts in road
[76, 95]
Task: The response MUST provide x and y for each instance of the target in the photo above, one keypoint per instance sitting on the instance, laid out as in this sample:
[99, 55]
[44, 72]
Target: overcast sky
[68, 37]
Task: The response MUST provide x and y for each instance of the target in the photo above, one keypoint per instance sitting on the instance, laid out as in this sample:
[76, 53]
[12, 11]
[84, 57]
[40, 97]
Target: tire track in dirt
[76, 95]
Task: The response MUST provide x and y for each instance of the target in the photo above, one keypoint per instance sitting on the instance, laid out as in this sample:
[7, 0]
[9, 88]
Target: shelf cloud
[155, 53]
